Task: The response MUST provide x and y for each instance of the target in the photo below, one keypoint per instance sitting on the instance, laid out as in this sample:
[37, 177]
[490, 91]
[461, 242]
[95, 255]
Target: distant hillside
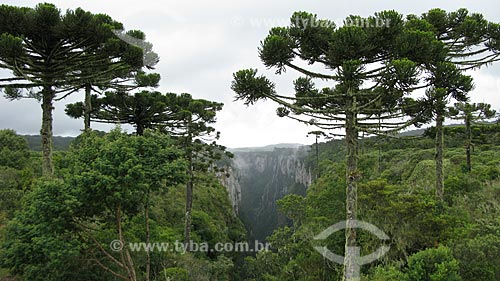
[266, 148]
[60, 143]
[412, 133]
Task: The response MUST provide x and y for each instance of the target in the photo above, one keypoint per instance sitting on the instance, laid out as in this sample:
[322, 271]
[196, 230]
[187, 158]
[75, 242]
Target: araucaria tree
[192, 126]
[446, 81]
[188, 120]
[144, 109]
[124, 75]
[371, 69]
[51, 55]
[470, 113]
[471, 42]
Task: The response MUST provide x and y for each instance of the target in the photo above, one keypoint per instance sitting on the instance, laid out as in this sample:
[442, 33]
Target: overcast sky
[201, 43]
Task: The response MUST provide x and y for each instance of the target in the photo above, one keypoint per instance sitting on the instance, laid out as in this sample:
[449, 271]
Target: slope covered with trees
[102, 188]
[150, 205]
[454, 240]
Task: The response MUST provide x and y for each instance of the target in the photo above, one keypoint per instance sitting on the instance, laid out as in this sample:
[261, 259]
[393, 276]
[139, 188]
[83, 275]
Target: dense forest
[457, 239]
[371, 201]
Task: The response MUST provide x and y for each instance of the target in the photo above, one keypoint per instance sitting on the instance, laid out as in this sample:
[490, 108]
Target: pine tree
[373, 68]
[50, 55]
[186, 119]
[470, 113]
[471, 42]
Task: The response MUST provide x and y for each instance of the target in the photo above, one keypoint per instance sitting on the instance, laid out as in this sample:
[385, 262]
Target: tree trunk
[317, 158]
[351, 266]
[87, 107]
[46, 131]
[379, 158]
[122, 241]
[379, 145]
[468, 142]
[124, 253]
[139, 129]
[439, 143]
[189, 203]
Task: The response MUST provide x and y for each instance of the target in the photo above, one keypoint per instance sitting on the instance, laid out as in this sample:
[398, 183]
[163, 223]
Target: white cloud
[487, 89]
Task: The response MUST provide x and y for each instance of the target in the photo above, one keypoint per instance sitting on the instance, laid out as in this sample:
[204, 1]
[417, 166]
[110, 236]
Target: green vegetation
[59, 143]
[470, 114]
[111, 187]
[429, 239]
[150, 205]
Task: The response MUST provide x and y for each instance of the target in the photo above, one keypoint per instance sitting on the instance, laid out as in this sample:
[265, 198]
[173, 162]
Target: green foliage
[144, 109]
[59, 143]
[65, 226]
[293, 206]
[111, 185]
[251, 88]
[387, 273]
[478, 257]
[40, 241]
[292, 258]
[119, 170]
[213, 217]
[221, 268]
[187, 267]
[107, 179]
[363, 94]
[477, 249]
[21, 29]
[434, 265]
[14, 151]
[16, 173]
[175, 273]
[263, 267]
[13, 184]
[414, 220]
[399, 202]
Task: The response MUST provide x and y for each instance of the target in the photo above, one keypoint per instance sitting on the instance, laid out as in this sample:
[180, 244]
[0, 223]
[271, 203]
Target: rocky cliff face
[258, 178]
[231, 180]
